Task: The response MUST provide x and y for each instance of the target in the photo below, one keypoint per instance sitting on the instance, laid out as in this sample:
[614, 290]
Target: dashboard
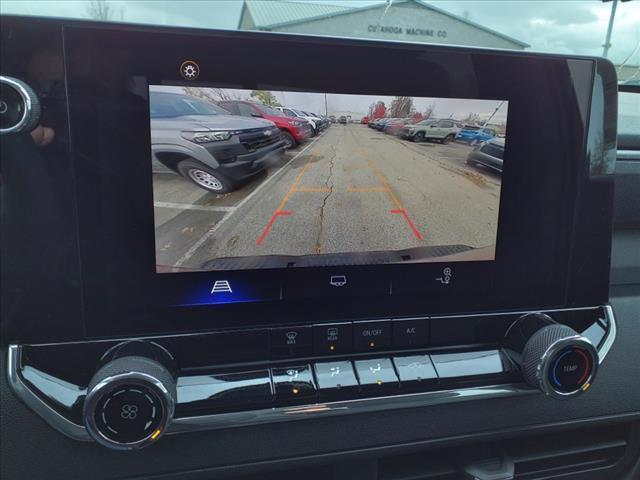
[203, 277]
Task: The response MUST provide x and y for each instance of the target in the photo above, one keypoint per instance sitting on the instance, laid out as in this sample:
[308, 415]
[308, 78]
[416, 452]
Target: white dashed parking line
[191, 206]
[209, 233]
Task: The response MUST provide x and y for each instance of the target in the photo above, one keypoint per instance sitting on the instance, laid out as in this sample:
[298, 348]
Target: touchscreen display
[248, 179]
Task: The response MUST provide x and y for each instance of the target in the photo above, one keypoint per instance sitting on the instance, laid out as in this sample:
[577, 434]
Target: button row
[342, 338]
[416, 279]
[337, 380]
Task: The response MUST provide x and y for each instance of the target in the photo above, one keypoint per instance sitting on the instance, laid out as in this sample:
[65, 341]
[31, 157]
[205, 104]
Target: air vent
[554, 461]
[587, 453]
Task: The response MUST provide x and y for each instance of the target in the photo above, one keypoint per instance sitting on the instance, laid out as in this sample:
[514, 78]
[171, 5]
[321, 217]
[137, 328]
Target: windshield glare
[270, 111]
[171, 106]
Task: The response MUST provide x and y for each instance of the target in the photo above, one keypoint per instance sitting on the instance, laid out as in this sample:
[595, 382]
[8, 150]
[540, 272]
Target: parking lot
[350, 189]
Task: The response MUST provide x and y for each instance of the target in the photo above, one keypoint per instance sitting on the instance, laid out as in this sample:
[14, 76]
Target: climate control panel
[138, 390]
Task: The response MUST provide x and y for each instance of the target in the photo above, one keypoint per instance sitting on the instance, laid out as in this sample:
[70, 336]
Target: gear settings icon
[189, 70]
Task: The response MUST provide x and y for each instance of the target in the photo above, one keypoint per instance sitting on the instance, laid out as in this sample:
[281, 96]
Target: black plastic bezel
[554, 202]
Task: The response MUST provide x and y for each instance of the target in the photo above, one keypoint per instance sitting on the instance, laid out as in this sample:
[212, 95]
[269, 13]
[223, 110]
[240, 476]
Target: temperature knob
[552, 357]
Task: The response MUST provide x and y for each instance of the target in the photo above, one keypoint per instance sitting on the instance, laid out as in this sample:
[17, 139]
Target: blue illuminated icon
[220, 292]
[221, 286]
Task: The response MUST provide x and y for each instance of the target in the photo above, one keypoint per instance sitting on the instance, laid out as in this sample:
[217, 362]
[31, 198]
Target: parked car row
[444, 130]
[473, 135]
[317, 122]
[489, 147]
[488, 154]
[220, 146]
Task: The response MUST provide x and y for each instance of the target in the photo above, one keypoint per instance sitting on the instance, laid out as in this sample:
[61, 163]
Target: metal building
[404, 20]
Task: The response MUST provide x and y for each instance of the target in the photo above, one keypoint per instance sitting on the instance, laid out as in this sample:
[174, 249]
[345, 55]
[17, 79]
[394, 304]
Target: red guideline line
[416, 233]
[270, 224]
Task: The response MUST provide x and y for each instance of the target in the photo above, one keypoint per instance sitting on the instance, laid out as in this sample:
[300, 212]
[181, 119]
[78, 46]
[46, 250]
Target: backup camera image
[249, 179]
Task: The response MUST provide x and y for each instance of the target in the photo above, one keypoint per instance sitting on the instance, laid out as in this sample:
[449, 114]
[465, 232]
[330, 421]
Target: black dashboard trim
[282, 414]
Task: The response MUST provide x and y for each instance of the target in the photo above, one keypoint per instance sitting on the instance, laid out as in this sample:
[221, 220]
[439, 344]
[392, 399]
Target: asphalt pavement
[353, 189]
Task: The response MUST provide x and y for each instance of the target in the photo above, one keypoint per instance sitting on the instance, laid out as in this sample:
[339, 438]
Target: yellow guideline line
[366, 189]
[312, 189]
[399, 207]
[383, 181]
[295, 184]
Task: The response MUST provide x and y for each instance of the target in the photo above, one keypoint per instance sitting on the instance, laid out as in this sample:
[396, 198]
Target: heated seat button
[336, 380]
[294, 384]
[377, 376]
[410, 332]
[333, 338]
[291, 341]
[371, 335]
[415, 371]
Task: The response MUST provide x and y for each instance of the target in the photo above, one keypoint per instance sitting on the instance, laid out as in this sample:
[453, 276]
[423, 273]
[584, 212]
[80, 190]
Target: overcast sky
[358, 105]
[573, 26]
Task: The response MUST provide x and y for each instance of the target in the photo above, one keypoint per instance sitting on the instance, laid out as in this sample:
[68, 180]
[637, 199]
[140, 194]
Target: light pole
[607, 40]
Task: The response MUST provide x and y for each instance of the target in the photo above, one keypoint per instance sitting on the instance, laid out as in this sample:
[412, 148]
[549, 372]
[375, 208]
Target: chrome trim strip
[31, 400]
[363, 405]
[27, 104]
[279, 414]
[497, 314]
[628, 155]
[610, 337]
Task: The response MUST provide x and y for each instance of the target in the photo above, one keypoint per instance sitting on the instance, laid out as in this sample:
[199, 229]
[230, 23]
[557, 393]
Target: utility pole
[326, 112]
[493, 114]
[607, 40]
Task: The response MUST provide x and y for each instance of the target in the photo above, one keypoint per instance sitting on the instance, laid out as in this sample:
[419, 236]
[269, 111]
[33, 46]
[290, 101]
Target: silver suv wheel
[205, 179]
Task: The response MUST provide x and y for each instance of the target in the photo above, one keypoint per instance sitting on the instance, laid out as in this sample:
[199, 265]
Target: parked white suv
[313, 121]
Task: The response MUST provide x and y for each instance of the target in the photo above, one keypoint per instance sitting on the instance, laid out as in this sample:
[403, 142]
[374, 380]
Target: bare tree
[100, 10]
[428, 112]
[401, 107]
[211, 94]
[266, 97]
[471, 119]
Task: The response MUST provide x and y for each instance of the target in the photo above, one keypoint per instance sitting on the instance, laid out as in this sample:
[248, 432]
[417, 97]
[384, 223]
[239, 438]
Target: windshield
[577, 27]
[274, 112]
[171, 106]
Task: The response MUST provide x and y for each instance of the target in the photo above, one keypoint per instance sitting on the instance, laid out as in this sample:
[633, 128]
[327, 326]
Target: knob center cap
[129, 403]
[570, 369]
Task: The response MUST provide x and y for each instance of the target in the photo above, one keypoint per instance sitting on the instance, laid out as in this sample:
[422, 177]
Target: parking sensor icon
[189, 70]
[221, 286]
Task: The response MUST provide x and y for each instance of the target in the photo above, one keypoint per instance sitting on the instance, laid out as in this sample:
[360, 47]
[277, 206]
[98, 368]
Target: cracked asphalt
[352, 190]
